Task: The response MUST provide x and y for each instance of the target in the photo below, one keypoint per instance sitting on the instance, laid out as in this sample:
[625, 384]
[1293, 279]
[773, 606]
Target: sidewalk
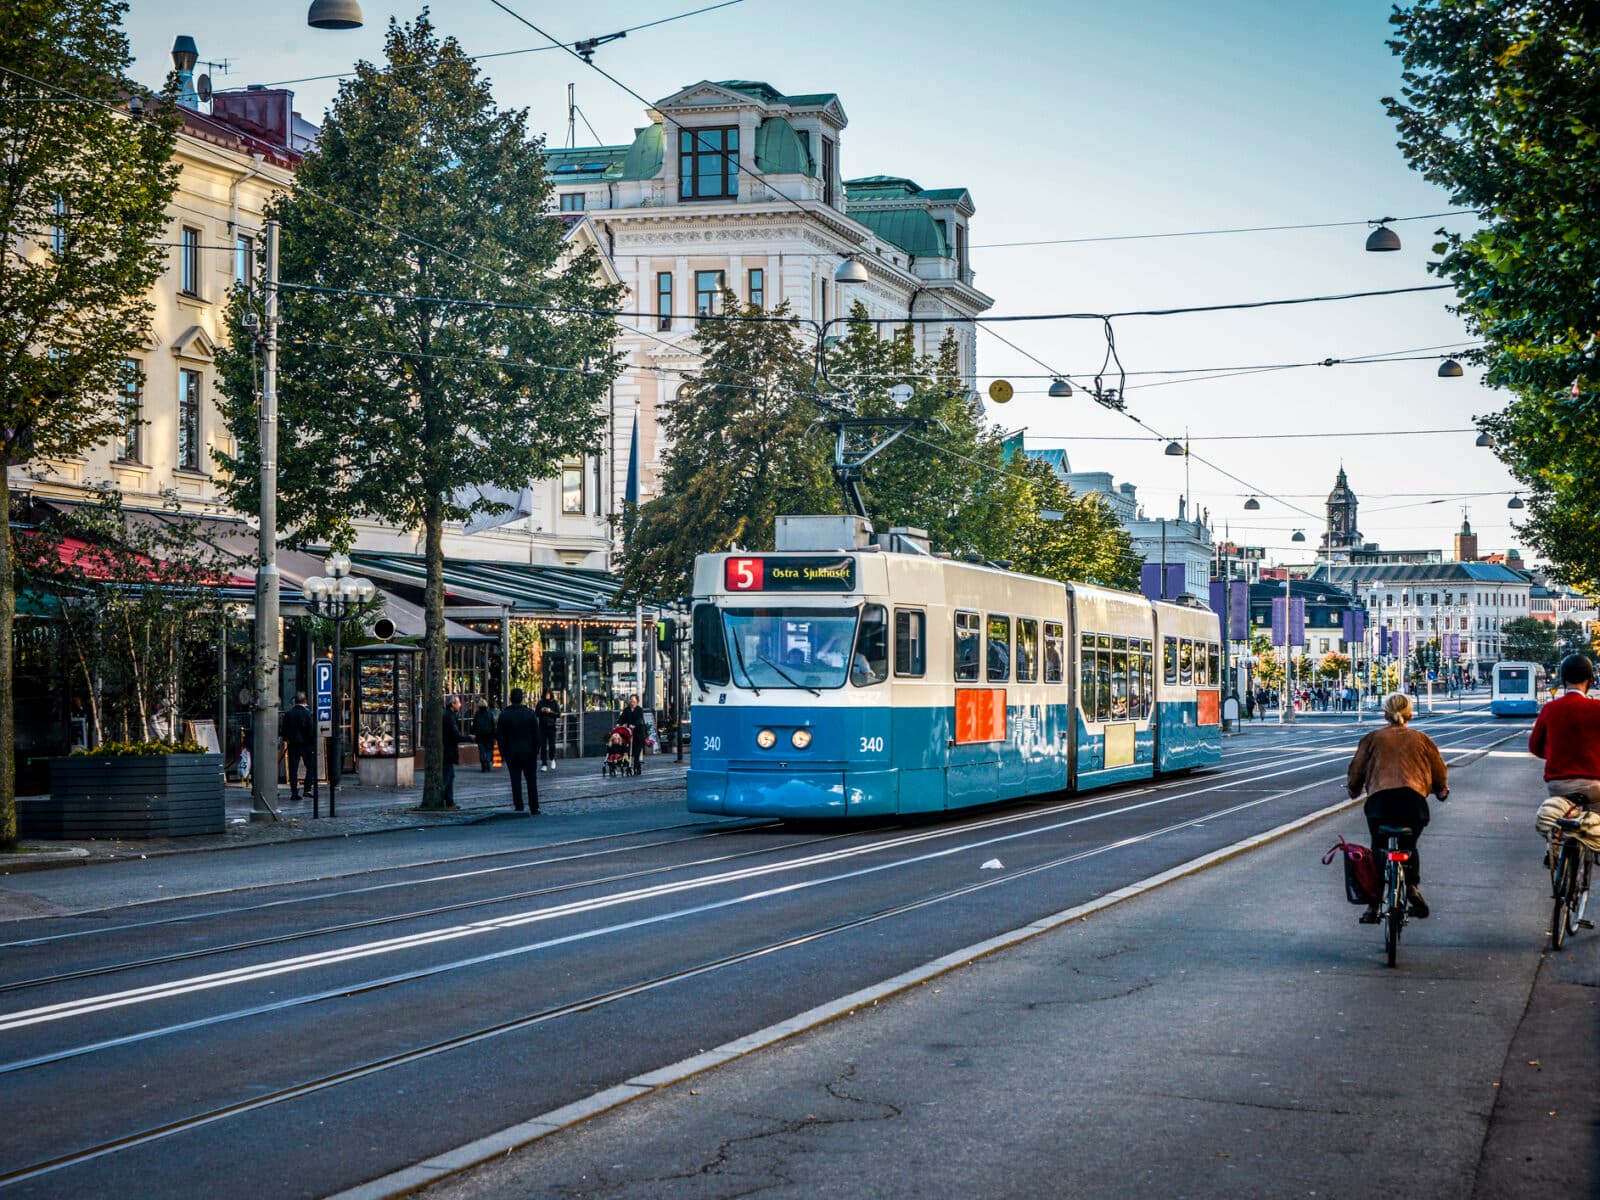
[576, 785]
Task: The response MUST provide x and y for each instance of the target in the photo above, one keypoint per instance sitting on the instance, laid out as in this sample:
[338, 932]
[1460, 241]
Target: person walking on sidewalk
[549, 713]
[483, 735]
[633, 717]
[1567, 735]
[453, 737]
[517, 733]
[1397, 767]
[299, 732]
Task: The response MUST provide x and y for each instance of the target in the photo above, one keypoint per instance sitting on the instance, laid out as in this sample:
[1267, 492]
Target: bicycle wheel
[1394, 915]
[1566, 892]
[1579, 898]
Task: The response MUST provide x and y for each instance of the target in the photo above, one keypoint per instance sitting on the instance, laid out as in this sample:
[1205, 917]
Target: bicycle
[1569, 881]
[1396, 903]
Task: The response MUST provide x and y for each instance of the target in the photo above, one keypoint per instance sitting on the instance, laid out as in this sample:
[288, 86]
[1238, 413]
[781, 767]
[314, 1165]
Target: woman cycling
[1397, 767]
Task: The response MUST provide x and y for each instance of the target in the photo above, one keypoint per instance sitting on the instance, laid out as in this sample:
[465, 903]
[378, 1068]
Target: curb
[414, 1178]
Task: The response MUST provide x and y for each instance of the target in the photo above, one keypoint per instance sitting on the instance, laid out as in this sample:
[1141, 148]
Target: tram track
[1275, 758]
[377, 1065]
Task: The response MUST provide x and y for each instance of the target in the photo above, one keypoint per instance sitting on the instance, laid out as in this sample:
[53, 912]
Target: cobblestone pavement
[576, 785]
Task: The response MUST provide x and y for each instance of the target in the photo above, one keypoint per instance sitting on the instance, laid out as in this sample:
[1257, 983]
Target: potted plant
[144, 789]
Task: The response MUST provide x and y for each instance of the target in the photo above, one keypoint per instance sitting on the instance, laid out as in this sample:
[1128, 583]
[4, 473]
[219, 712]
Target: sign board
[322, 683]
[205, 734]
[774, 574]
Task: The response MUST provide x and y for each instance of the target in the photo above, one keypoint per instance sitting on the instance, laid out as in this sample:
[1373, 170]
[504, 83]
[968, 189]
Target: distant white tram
[1516, 689]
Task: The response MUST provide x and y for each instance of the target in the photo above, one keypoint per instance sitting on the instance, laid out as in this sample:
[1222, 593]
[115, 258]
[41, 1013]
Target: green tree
[1084, 543]
[83, 196]
[743, 448]
[1501, 105]
[1572, 637]
[394, 406]
[1528, 639]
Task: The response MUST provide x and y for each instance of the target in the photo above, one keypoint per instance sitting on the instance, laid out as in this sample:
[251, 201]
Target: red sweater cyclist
[1567, 734]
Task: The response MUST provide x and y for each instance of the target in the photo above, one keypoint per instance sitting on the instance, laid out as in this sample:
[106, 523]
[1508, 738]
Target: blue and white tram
[871, 682]
[1516, 689]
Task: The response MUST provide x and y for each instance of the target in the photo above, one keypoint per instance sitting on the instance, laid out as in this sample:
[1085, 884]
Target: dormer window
[830, 155]
[708, 163]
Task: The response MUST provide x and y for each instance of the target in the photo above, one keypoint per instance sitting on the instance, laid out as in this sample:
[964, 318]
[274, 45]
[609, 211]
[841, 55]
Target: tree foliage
[83, 195]
[748, 443]
[395, 406]
[1528, 639]
[1501, 105]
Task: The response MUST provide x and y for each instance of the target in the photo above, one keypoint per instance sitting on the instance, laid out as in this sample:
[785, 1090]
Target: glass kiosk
[384, 686]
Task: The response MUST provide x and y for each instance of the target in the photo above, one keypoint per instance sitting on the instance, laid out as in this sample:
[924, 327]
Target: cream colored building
[735, 184]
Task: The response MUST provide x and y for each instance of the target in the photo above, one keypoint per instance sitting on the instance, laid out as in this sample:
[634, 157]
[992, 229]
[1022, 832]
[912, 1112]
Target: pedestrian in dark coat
[548, 710]
[298, 728]
[1250, 706]
[517, 733]
[633, 717]
[483, 734]
[453, 737]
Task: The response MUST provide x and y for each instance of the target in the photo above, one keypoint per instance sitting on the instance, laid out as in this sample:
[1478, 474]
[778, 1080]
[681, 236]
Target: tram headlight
[766, 739]
[801, 738]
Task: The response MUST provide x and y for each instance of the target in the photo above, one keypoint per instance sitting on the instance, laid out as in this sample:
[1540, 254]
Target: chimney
[184, 56]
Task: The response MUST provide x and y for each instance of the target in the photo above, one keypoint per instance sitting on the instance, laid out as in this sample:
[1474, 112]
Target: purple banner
[1150, 581]
[1383, 641]
[1239, 614]
[1297, 621]
[1355, 624]
[1278, 624]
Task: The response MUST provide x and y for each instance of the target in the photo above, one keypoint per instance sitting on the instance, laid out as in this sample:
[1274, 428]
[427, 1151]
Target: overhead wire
[1140, 237]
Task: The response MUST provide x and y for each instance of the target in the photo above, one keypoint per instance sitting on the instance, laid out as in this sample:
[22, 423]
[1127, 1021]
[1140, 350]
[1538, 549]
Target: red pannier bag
[1361, 883]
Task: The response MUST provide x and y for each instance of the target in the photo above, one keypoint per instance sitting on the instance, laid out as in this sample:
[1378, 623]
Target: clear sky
[1071, 119]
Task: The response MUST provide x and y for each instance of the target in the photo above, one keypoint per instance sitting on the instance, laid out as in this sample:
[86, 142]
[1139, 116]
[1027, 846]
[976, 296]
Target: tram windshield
[790, 647]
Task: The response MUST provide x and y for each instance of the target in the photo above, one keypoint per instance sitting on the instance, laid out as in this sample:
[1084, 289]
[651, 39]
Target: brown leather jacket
[1397, 756]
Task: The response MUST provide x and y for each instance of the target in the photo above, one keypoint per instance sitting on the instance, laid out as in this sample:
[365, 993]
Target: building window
[131, 401]
[757, 290]
[571, 201]
[708, 163]
[189, 262]
[961, 249]
[189, 420]
[244, 259]
[664, 300]
[572, 487]
[708, 287]
[829, 169]
[58, 225]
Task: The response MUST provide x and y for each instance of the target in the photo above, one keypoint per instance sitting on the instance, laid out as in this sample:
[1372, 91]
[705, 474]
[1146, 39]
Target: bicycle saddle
[1394, 831]
[1569, 823]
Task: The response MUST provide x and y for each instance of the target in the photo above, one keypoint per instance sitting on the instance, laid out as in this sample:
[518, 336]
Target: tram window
[1135, 683]
[1102, 641]
[1169, 660]
[1119, 683]
[870, 663]
[1102, 685]
[1214, 658]
[910, 642]
[1200, 676]
[1147, 688]
[1119, 643]
[1086, 682]
[1185, 661]
[1052, 653]
[998, 657]
[966, 645]
[1027, 650]
[710, 651]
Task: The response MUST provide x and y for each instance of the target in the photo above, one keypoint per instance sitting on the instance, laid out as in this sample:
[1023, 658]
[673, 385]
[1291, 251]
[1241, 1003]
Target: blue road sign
[1432, 675]
[322, 676]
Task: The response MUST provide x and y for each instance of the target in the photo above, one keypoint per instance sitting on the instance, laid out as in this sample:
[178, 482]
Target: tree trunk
[433, 659]
[8, 704]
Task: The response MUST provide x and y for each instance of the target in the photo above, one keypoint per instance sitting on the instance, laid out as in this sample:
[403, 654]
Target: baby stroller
[618, 759]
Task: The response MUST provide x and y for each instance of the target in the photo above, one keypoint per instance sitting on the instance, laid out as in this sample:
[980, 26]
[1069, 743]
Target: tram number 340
[711, 743]
[871, 745]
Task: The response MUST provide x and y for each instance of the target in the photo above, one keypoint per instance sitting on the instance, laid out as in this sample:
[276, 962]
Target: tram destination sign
[775, 574]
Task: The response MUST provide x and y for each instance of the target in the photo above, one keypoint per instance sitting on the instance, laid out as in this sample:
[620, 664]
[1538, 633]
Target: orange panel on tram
[980, 715]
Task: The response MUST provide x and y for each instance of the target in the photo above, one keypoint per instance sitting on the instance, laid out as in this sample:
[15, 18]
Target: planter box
[387, 772]
[169, 795]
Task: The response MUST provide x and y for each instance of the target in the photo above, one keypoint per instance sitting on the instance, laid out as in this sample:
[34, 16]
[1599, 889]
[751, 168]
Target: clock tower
[1343, 534]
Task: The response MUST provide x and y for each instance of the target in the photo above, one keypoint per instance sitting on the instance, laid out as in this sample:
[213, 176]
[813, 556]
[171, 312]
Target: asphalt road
[329, 1027]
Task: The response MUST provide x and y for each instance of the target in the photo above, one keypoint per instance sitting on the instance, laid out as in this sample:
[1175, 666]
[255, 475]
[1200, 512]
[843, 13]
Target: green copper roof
[768, 94]
[779, 150]
[956, 194]
[879, 186]
[912, 229]
[583, 161]
[643, 160]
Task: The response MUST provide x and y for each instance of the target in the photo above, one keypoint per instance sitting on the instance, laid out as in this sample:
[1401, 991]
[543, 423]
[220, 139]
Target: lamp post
[337, 597]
